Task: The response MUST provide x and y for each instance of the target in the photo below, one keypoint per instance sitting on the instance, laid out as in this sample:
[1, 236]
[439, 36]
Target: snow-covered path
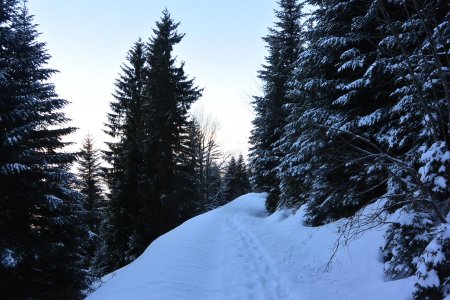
[259, 277]
[238, 252]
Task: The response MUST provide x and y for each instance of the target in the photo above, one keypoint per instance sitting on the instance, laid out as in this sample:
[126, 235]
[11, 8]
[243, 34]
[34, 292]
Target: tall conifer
[283, 43]
[40, 228]
[125, 126]
[90, 177]
[170, 93]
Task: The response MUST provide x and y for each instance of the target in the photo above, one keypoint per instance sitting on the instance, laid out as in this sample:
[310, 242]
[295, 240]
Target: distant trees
[236, 180]
[41, 216]
[89, 172]
[90, 182]
[205, 156]
[364, 118]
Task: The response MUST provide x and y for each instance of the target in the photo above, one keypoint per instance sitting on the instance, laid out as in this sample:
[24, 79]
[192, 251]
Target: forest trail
[198, 266]
[238, 252]
[247, 271]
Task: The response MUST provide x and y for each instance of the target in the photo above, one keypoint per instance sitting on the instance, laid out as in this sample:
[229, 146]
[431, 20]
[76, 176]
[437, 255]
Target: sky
[89, 39]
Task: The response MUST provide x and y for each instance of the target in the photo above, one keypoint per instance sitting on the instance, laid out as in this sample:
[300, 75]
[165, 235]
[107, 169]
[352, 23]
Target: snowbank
[238, 252]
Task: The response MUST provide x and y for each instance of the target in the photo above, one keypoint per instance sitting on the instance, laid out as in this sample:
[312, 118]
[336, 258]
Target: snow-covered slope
[238, 252]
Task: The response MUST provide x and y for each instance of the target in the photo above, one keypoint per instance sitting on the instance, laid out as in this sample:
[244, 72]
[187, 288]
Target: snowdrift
[239, 252]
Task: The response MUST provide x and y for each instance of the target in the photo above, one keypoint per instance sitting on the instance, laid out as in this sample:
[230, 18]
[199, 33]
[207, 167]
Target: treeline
[60, 232]
[355, 111]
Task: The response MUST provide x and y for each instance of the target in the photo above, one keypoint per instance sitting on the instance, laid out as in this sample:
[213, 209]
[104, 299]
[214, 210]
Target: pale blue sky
[88, 41]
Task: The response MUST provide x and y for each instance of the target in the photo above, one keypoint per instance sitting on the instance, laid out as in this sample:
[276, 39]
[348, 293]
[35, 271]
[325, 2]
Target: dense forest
[354, 111]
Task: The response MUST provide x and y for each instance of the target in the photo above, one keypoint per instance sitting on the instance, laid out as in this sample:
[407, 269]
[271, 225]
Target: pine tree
[170, 93]
[283, 43]
[40, 246]
[236, 180]
[339, 99]
[242, 178]
[415, 53]
[125, 126]
[227, 188]
[303, 169]
[90, 185]
[89, 172]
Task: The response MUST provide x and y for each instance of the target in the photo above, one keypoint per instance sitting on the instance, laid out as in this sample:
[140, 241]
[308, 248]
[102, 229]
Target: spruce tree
[340, 96]
[123, 176]
[242, 177]
[40, 228]
[90, 185]
[415, 53]
[236, 180]
[90, 175]
[283, 43]
[167, 187]
[227, 188]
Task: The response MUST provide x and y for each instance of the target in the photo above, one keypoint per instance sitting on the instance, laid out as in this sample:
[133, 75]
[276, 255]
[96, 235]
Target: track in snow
[238, 252]
[214, 256]
[264, 281]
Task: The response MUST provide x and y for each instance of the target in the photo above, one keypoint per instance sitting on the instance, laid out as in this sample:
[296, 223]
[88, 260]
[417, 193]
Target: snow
[371, 119]
[239, 252]
[14, 168]
[54, 201]
[431, 280]
[436, 154]
[352, 64]
[7, 258]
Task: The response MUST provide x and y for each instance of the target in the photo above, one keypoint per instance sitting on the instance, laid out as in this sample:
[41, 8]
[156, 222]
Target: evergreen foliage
[333, 106]
[236, 180]
[168, 184]
[366, 119]
[125, 157]
[215, 183]
[283, 44]
[152, 174]
[355, 111]
[41, 216]
[90, 177]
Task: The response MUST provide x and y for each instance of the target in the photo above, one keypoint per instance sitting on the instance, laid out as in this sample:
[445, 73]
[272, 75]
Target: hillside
[239, 252]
